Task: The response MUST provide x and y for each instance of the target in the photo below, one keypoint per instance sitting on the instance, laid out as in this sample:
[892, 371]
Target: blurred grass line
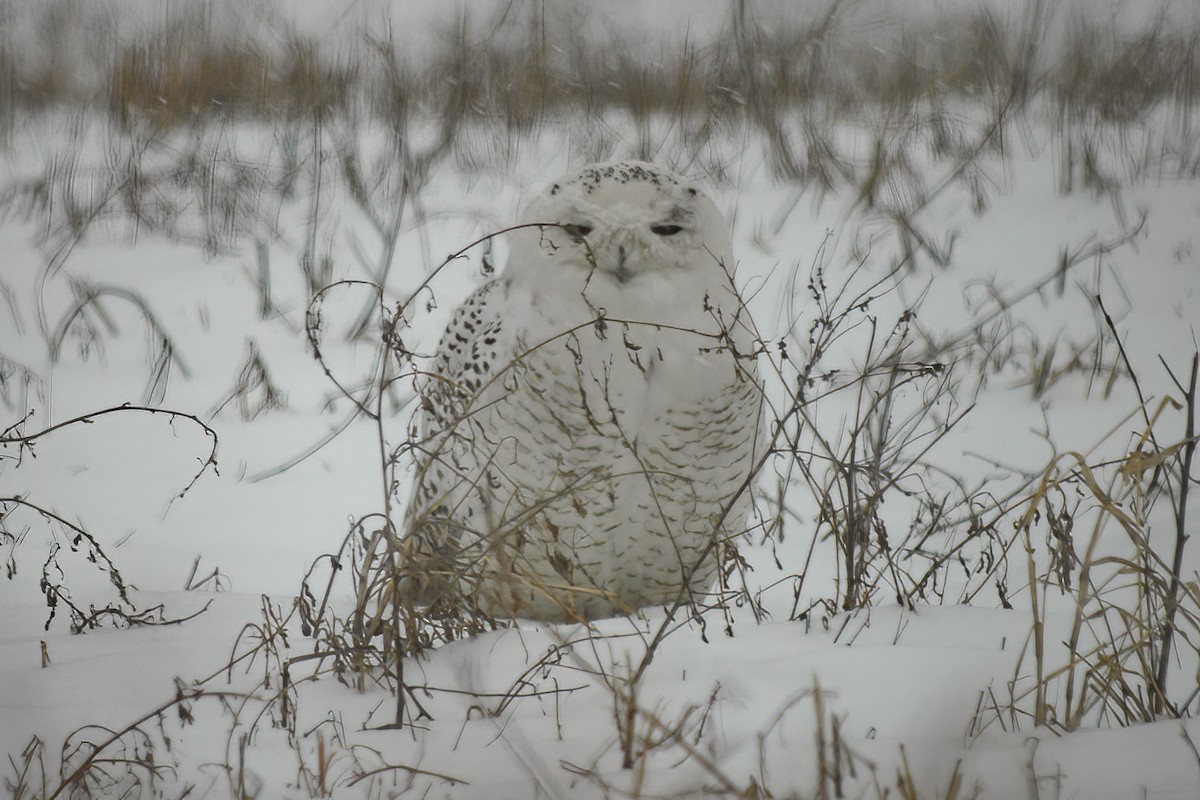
[527, 69]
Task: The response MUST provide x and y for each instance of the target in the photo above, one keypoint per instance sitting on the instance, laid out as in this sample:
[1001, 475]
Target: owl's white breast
[656, 345]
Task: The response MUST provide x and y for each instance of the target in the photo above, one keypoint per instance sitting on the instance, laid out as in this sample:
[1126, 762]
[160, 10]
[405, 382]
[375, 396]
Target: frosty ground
[811, 683]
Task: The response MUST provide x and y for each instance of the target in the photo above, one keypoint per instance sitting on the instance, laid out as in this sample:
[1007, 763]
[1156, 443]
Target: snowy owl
[592, 418]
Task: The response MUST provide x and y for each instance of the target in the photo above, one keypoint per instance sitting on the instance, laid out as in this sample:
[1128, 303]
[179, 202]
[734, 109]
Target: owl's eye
[666, 230]
[577, 230]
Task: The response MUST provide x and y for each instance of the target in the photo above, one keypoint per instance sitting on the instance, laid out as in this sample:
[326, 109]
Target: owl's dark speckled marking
[590, 178]
[590, 423]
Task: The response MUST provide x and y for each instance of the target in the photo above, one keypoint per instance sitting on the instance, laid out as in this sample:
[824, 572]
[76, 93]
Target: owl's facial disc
[618, 224]
[629, 245]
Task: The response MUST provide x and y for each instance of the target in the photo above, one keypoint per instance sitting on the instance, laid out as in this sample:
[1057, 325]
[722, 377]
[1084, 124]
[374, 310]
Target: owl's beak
[623, 272]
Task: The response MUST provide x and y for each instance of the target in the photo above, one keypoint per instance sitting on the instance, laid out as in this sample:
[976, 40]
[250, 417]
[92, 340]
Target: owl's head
[626, 225]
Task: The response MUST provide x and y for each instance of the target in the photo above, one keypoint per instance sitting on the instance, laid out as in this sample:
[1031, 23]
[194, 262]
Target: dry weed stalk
[850, 438]
[1135, 617]
[122, 612]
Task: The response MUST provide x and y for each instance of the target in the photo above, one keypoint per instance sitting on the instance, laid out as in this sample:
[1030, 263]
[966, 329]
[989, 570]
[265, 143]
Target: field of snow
[173, 268]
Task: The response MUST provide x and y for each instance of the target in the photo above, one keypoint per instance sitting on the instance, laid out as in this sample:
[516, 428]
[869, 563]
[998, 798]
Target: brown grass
[524, 71]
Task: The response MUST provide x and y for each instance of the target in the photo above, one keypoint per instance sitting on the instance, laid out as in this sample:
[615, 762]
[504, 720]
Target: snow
[537, 710]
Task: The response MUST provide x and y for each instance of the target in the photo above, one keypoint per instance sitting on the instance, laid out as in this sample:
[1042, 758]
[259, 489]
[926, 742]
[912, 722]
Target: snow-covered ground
[929, 701]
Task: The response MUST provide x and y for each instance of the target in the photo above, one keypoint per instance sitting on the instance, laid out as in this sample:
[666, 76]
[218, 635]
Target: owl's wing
[444, 521]
[469, 356]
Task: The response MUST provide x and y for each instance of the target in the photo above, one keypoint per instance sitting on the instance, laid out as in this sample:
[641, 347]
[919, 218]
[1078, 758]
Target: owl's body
[591, 421]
